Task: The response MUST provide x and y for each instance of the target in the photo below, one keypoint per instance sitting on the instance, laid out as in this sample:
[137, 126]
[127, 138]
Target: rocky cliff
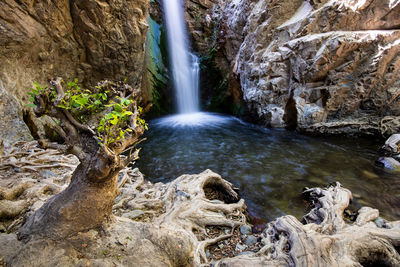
[327, 67]
[88, 40]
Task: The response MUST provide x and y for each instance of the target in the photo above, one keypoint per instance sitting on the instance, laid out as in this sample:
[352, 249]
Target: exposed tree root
[29, 175]
[325, 239]
[168, 225]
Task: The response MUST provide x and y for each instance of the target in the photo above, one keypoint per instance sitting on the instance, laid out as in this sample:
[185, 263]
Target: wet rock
[245, 230]
[369, 174]
[391, 146]
[388, 163]
[251, 240]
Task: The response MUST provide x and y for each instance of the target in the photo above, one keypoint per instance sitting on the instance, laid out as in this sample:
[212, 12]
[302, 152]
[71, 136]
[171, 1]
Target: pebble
[240, 247]
[221, 246]
[369, 175]
[133, 214]
[251, 240]
[380, 222]
[245, 230]
[208, 254]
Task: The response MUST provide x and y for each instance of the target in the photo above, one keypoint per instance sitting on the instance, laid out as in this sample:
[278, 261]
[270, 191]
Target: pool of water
[270, 166]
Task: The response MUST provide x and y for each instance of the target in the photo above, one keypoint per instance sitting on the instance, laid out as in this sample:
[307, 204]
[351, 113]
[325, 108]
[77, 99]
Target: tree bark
[83, 205]
[87, 202]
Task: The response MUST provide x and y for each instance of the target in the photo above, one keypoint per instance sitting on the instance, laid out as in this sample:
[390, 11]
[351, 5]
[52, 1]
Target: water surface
[271, 167]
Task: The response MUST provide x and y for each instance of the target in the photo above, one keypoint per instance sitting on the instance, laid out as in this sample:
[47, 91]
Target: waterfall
[185, 66]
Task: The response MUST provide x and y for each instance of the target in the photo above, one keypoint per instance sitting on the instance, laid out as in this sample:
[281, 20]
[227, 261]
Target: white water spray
[185, 66]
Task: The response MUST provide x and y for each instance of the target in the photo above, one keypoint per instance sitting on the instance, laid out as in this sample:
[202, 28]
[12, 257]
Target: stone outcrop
[327, 67]
[89, 40]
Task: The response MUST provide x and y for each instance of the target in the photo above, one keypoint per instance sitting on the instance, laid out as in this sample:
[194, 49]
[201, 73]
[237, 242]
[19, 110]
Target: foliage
[83, 102]
[121, 114]
[115, 124]
[34, 91]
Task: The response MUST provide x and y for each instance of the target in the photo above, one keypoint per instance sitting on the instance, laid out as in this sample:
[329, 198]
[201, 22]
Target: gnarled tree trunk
[88, 199]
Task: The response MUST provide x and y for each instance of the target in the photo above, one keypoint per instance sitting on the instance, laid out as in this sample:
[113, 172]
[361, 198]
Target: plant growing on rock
[97, 126]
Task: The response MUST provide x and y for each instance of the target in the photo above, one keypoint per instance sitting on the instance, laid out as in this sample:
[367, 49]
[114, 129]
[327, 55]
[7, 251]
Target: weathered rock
[88, 40]
[251, 240]
[245, 230]
[388, 163]
[331, 66]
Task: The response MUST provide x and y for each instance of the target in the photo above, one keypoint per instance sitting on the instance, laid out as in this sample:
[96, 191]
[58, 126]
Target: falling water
[185, 66]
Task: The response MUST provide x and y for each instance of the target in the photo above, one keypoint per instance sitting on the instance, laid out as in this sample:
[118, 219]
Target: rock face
[318, 66]
[89, 40]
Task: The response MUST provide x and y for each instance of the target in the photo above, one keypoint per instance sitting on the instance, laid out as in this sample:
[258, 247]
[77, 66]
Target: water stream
[271, 167]
[185, 66]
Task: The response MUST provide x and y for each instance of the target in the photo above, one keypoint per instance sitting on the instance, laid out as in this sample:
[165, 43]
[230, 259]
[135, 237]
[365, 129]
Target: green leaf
[118, 108]
[125, 102]
[127, 113]
[31, 105]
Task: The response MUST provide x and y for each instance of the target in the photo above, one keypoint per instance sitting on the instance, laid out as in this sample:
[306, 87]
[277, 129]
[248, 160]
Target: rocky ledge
[89, 40]
[327, 67]
[195, 220]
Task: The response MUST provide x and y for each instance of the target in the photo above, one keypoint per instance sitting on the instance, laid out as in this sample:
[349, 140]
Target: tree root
[184, 205]
[173, 221]
[21, 167]
[325, 239]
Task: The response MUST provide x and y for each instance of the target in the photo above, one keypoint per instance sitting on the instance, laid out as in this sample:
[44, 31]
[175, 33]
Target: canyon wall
[323, 67]
[89, 40]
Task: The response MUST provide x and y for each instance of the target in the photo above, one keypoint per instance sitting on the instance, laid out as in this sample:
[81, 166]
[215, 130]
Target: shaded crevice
[290, 116]
[214, 190]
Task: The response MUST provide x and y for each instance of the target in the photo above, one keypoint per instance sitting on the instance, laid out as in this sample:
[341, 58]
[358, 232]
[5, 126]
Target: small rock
[246, 253]
[240, 247]
[47, 174]
[388, 163]
[380, 222]
[245, 230]
[369, 175]
[221, 246]
[251, 240]
[227, 231]
[133, 214]
[208, 253]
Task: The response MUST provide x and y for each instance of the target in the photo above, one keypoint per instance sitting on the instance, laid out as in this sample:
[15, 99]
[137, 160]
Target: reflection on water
[271, 167]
